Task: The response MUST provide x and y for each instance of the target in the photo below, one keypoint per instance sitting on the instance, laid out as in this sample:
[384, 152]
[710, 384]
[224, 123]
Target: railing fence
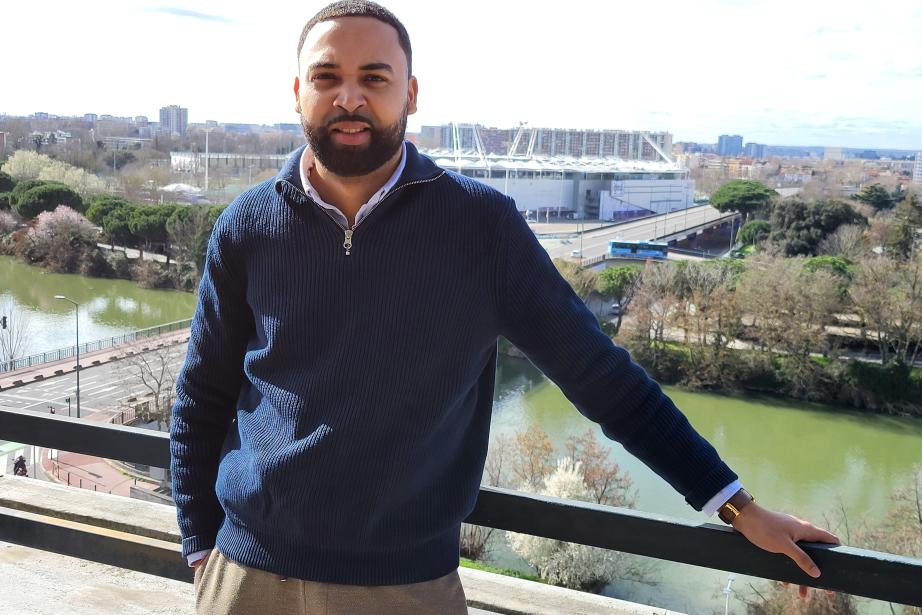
[71, 351]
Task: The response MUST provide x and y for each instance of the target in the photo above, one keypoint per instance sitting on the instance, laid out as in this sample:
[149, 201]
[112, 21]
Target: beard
[355, 160]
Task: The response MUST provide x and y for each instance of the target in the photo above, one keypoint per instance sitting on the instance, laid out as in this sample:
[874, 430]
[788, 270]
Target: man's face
[353, 94]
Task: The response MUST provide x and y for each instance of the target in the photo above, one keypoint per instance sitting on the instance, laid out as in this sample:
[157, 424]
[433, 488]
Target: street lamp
[77, 323]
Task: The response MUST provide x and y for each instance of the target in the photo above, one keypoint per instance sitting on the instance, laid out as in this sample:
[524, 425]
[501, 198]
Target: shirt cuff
[194, 557]
[720, 499]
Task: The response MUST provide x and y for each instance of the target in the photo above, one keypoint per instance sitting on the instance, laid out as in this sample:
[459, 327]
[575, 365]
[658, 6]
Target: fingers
[802, 560]
[812, 533]
[802, 591]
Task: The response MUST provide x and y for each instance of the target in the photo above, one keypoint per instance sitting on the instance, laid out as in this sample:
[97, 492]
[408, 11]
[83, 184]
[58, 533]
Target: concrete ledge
[55, 580]
[93, 508]
[502, 594]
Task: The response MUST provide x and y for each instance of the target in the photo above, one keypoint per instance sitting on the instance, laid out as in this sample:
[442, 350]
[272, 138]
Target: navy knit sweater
[333, 411]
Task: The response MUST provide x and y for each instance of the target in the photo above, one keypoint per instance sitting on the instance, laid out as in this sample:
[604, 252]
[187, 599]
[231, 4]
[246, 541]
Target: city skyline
[821, 75]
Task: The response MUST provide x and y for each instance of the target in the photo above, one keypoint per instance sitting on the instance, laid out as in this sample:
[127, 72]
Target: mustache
[349, 117]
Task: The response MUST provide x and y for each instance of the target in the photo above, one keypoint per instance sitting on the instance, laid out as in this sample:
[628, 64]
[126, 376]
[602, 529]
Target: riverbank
[862, 385]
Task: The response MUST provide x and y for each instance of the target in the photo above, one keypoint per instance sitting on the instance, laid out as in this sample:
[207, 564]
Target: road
[595, 242]
[101, 387]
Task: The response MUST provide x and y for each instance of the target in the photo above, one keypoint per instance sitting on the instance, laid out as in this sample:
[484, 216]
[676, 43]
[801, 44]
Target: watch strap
[733, 507]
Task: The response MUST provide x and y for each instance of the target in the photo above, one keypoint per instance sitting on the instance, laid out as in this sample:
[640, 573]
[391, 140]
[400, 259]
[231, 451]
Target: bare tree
[848, 241]
[790, 309]
[887, 294]
[16, 334]
[476, 539]
[153, 371]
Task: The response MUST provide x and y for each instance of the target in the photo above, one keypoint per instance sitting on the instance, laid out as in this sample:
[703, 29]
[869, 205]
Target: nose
[350, 97]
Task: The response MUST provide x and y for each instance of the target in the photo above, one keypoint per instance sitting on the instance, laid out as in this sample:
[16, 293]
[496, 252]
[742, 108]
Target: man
[332, 416]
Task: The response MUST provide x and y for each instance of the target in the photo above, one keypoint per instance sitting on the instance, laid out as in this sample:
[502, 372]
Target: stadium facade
[605, 174]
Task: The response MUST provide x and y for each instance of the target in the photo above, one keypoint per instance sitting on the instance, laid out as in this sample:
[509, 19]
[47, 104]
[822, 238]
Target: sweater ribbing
[332, 416]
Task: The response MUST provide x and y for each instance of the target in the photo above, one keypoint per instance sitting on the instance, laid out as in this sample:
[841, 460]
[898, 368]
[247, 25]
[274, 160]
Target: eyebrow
[332, 65]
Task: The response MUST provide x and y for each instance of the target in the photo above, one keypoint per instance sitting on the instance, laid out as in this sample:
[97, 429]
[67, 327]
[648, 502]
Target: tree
[115, 226]
[16, 335]
[7, 183]
[790, 308]
[744, 196]
[25, 165]
[619, 283]
[848, 241]
[710, 317]
[60, 239]
[754, 232]
[887, 294]
[102, 205]
[570, 564]
[149, 224]
[154, 372]
[581, 279]
[876, 196]
[655, 308]
[798, 227]
[45, 198]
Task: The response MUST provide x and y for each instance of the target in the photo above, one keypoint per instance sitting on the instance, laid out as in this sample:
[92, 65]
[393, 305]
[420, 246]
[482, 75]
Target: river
[798, 457]
[107, 307]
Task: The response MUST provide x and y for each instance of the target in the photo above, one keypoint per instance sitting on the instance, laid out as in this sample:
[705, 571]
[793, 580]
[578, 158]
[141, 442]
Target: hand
[202, 561]
[778, 532]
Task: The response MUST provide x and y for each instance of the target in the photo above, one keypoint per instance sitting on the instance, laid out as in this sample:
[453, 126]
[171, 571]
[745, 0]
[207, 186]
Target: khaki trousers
[223, 587]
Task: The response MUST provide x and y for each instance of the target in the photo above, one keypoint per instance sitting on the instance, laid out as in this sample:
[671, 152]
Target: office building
[730, 145]
[755, 150]
[174, 119]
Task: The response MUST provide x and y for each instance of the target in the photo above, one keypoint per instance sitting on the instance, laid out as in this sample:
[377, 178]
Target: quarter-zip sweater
[333, 412]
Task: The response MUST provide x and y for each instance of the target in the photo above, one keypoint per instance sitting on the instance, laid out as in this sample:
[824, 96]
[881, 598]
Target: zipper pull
[347, 242]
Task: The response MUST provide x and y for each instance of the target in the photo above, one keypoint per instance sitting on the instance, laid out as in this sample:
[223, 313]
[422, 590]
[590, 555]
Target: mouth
[350, 133]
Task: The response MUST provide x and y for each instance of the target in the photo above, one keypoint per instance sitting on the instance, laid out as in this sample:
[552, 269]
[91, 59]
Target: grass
[469, 563]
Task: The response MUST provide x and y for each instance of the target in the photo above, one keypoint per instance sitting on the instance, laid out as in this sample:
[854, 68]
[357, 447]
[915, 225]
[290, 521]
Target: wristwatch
[733, 507]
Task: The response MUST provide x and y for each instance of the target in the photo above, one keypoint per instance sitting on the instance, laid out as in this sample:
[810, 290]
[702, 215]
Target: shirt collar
[307, 163]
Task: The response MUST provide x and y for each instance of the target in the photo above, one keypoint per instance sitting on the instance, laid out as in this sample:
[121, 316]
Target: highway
[595, 242]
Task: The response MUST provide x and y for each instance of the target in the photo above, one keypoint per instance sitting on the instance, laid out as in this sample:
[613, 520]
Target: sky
[784, 72]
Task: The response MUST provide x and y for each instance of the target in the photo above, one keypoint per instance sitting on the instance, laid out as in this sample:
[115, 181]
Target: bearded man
[333, 412]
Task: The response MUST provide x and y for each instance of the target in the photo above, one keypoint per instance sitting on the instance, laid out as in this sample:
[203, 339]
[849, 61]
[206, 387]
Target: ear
[412, 91]
[297, 95]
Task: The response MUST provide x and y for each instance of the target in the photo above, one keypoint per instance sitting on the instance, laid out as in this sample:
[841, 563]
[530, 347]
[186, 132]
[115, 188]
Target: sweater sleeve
[543, 317]
[207, 390]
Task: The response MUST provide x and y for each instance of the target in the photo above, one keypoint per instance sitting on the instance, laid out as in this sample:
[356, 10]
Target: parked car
[615, 309]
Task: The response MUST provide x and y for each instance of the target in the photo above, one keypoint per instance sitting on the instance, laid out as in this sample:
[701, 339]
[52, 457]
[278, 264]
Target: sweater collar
[418, 167]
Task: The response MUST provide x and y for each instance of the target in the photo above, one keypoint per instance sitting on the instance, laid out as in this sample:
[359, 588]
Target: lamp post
[77, 323]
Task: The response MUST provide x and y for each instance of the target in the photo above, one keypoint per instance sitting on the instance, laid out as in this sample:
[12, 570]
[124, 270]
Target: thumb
[803, 560]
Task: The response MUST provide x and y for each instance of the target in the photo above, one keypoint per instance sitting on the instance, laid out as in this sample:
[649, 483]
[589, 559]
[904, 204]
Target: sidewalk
[26, 375]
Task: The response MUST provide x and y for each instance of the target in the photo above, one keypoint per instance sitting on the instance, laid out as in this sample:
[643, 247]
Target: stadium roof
[473, 160]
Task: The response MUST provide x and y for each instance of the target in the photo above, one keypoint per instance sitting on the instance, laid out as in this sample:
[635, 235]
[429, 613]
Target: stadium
[566, 173]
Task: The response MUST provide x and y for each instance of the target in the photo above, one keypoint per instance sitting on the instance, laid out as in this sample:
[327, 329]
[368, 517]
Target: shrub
[47, 198]
[60, 239]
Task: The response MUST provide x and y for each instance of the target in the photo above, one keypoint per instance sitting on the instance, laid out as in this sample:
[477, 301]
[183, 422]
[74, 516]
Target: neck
[350, 193]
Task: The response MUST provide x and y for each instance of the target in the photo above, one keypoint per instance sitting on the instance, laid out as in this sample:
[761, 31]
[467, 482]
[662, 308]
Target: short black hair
[361, 8]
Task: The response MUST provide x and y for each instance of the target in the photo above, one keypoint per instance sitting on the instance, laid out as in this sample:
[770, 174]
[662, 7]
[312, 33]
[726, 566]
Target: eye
[375, 78]
[322, 76]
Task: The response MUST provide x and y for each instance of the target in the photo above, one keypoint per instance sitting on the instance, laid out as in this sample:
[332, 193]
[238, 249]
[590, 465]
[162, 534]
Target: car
[615, 309]
[576, 253]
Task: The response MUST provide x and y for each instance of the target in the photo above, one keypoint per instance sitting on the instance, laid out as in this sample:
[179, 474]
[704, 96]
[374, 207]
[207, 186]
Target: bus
[638, 249]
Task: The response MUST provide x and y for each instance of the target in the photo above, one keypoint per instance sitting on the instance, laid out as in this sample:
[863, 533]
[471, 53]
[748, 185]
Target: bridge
[591, 245]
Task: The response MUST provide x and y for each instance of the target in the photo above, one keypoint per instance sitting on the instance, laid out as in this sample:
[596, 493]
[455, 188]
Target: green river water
[803, 458]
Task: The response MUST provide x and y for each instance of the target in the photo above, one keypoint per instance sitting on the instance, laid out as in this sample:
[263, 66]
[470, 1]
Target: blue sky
[814, 72]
